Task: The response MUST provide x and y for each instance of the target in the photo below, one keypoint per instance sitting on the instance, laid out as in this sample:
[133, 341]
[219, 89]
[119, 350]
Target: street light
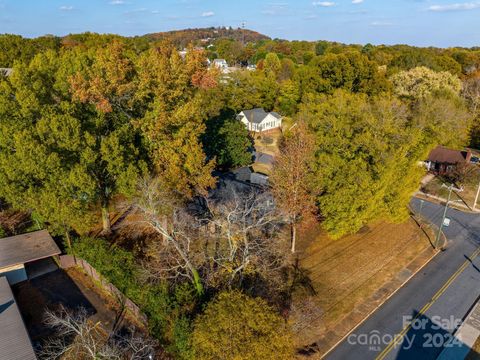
[450, 188]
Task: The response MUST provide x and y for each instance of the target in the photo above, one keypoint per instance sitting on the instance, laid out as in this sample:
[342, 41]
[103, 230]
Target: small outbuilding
[442, 160]
[33, 250]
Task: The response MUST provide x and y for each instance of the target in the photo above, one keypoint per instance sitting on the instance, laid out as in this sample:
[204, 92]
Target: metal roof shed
[14, 341]
[16, 251]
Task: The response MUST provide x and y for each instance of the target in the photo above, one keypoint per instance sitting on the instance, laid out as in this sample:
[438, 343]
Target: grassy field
[345, 272]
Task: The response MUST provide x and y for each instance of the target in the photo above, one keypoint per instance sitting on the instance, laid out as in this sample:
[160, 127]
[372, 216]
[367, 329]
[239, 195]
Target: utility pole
[450, 188]
[476, 197]
[243, 33]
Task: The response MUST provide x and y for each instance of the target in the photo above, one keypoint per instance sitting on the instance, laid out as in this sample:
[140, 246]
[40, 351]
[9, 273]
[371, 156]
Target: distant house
[258, 120]
[220, 63]
[442, 160]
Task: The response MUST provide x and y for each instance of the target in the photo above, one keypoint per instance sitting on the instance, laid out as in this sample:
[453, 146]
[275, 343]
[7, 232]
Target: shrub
[236, 326]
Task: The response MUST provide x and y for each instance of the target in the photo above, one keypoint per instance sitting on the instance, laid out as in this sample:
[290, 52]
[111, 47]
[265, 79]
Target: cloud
[66, 8]
[323, 3]
[357, 1]
[455, 7]
[208, 14]
[117, 2]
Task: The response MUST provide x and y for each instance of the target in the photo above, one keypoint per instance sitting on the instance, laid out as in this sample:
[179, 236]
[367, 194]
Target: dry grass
[467, 196]
[268, 143]
[345, 272]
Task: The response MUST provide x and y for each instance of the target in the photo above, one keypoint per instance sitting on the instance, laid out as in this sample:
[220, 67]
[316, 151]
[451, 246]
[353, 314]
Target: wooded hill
[182, 38]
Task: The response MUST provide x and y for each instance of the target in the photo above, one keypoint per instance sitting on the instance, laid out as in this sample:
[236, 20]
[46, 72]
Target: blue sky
[417, 22]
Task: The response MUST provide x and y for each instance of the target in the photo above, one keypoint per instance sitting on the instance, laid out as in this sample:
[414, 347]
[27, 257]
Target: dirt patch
[346, 272]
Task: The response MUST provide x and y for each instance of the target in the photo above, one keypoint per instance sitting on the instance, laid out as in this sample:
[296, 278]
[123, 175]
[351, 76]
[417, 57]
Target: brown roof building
[442, 160]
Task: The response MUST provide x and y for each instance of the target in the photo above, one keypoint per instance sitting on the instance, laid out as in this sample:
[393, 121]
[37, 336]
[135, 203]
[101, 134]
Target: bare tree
[247, 235]
[292, 184]
[174, 257]
[79, 338]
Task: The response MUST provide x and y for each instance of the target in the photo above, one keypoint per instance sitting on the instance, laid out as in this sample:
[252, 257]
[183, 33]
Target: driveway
[437, 298]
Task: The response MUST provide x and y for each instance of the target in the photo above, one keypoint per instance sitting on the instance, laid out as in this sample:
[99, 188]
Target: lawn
[467, 196]
[268, 143]
[346, 272]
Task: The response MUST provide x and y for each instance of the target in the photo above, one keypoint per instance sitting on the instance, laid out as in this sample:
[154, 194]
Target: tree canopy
[235, 326]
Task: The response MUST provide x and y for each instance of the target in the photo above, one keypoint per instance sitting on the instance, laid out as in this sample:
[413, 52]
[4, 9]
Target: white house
[220, 63]
[258, 120]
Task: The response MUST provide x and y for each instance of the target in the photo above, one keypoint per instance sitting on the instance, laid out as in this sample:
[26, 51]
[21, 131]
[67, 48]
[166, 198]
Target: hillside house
[220, 64]
[442, 160]
[258, 120]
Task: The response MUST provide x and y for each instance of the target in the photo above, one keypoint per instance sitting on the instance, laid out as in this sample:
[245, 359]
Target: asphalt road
[437, 298]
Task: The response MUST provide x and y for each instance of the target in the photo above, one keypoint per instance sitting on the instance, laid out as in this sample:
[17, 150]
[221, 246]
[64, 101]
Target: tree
[77, 337]
[291, 179]
[228, 141]
[351, 71]
[235, 326]
[444, 118]
[420, 82]
[174, 257]
[177, 102]
[367, 156]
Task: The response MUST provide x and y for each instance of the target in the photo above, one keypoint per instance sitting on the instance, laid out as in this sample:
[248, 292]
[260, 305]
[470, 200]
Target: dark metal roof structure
[21, 249]
[14, 341]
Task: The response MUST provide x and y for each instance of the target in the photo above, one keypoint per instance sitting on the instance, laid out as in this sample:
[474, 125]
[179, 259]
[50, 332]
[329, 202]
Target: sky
[440, 23]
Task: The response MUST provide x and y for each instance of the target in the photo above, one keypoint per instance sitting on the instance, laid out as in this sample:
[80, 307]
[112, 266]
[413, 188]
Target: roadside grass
[346, 272]
[467, 196]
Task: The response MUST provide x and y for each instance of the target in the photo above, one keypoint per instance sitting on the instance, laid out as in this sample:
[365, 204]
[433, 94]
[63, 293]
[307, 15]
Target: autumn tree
[292, 183]
[236, 326]
[420, 82]
[175, 94]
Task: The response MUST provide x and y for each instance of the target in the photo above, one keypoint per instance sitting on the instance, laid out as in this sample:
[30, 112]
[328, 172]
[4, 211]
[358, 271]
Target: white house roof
[14, 341]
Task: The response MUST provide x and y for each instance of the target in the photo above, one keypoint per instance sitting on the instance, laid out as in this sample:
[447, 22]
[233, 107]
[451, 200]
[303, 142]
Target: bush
[236, 326]
[118, 266]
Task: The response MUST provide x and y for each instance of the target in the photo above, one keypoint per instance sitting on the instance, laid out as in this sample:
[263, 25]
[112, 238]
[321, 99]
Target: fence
[68, 261]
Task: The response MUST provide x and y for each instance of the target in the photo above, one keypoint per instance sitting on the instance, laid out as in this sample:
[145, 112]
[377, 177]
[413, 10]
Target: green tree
[237, 327]
[366, 158]
[73, 143]
[227, 140]
[351, 71]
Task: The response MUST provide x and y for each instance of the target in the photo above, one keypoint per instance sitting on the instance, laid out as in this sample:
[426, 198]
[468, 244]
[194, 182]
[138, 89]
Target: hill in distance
[202, 36]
